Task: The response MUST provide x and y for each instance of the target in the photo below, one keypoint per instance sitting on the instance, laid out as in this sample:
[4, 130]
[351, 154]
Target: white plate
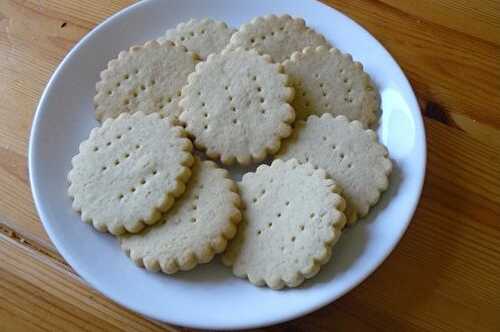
[209, 297]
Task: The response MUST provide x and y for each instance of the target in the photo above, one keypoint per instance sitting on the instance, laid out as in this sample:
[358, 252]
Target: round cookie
[196, 228]
[348, 153]
[291, 220]
[278, 36]
[327, 81]
[203, 37]
[236, 106]
[128, 171]
[146, 78]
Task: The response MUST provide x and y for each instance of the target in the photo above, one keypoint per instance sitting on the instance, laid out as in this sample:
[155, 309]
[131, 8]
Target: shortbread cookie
[278, 36]
[196, 228]
[146, 78]
[236, 106]
[350, 155]
[291, 220]
[202, 37]
[128, 171]
[327, 81]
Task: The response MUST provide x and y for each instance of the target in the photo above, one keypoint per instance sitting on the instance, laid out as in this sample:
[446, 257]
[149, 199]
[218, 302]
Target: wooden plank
[38, 294]
[475, 18]
[458, 72]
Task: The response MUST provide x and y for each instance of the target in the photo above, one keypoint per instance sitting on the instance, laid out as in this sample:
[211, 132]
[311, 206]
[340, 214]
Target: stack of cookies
[273, 88]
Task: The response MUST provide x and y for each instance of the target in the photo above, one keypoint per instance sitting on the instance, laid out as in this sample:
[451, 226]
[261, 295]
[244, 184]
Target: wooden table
[445, 273]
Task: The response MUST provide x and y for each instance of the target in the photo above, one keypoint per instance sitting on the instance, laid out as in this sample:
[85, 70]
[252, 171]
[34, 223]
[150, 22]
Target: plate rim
[34, 132]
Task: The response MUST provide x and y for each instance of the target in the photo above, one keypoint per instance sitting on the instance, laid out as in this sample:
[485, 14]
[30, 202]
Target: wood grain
[38, 293]
[443, 276]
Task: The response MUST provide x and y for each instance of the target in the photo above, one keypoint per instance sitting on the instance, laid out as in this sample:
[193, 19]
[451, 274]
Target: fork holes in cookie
[110, 92]
[259, 89]
[278, 215]
[252, 40]
[103, 168]
[96, 149]
[143, 181]
[203, 104]
[205, 115]
[263, 111]
[287, 203]
[254, 200]
[341, 156]
[262, 100]
[349, 165]
[312, 215]
[235, 121]
[254, 78]
[126, 102]
[137, 147]
[155, 172]
[126, 76]
[118, 136]
[301, 227]
[259, 232]
[120, 196]
[193, 220]
[293, 238]
[132, 189]
[108, 144]
[117, 162]
[143, 87]
[127, 155]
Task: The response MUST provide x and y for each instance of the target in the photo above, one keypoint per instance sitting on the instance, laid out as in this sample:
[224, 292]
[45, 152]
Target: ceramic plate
[209, 296]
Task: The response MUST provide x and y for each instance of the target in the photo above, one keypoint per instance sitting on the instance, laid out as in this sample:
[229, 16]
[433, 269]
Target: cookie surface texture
[292, 218]
[145, 78]
[327, 81]
[196, 228]
[278, 36]
[236, 105]
[203, 37]
[128, 171]
[350, 155]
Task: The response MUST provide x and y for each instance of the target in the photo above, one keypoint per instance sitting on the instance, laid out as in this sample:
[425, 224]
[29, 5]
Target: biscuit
[196, 228]
[291, 219]
[327, 81]
[236, 106]
[145, 78]
[203, 37]
[349, 154]
[128, 171]
[278, 36]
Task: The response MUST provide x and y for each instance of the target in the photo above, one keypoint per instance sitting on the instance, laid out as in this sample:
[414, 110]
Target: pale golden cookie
[236, 106]
[203, 37]
[145, 78]
[350, 155]
[291, 219]
[128, 171]
[327, 81]
[278, 36]
[196, 228]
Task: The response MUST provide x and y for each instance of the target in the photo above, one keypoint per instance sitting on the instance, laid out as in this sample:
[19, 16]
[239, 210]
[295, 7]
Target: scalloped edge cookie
[197, 227]
[201, 36]
[350, 154]
[146, 78]
[329, 81]
[119, 183]
[278, 36]
[292, 218]
[236, 106]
